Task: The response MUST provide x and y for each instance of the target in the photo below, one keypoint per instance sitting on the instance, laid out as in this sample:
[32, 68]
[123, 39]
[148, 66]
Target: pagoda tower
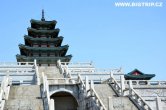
[43, 44]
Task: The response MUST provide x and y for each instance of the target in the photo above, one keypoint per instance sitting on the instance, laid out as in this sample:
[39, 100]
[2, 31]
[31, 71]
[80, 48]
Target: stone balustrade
[61, 81]
[4, 91]
[63, 69]
[89, 89]
[115, 85]
[81, 83]
[118, 84]
[78, 67]
[141, 83]
[87, 69]
[137, 99]
[21, 72]
[132, 94]
[45, 94]
[79, 64]
[37, 73]
[96, 99]
[59, 65]
[16, 63]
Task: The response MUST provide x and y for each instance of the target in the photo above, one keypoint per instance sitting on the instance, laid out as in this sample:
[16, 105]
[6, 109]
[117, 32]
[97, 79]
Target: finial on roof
[43, 19]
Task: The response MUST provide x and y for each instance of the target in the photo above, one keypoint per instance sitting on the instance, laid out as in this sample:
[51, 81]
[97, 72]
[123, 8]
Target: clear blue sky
[95, 30]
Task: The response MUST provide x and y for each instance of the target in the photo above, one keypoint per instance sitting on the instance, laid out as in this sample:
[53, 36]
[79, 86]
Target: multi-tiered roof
[43, 44]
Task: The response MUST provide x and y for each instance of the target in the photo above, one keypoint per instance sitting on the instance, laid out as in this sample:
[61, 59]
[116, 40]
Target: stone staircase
[50, 72]
[24, 98]
[119, 103]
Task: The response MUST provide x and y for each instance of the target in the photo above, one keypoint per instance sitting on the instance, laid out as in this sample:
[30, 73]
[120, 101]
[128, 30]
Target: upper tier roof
[65, 47]
[60, 38]
[37, 24]
[33, 32]
[31, 40]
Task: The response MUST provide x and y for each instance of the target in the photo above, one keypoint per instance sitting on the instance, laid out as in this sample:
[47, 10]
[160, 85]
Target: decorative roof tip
[43, 19]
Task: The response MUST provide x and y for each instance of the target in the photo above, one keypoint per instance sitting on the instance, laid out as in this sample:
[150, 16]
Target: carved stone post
[35, 62]
[58, 62]
[38, 76]
[111, 76]
[47, 89]
[91, 89]
[110, 103]
[86, 83]
[78, 78]
[52, 105]
[130, 87]
[122, 84]
[91, 84]
[158, 103]
[44, 84]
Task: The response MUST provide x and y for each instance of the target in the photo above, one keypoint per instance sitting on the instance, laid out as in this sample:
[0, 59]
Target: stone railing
[120, 89]
[59, 65]
[45, 94]
[48, 103]
[137, 99]
[20, 72]
[96, 98]
[25, 63]
[140, 83]
[96, 72]
[15, 63]
[4, 91]
[16, 67]
[59, 81]
[79, 64]
[79, 67]
[90, 92]
[81, 83]
[63, 69]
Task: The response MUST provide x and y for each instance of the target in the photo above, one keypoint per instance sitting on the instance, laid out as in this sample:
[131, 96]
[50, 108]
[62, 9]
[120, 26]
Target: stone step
[119, 103]
[104, 91]
[50, 72]
[54, 75]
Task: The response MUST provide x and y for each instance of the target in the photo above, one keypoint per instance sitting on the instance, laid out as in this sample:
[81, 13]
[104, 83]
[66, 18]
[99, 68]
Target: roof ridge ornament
[43, 19]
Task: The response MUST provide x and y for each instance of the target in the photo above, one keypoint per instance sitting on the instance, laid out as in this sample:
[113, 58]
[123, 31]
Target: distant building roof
[138, 75]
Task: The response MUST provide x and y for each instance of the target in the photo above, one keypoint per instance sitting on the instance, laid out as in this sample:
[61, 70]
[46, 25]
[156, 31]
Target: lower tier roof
[43, 60]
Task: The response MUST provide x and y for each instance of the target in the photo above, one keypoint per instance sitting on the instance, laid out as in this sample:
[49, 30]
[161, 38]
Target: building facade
[43, 78]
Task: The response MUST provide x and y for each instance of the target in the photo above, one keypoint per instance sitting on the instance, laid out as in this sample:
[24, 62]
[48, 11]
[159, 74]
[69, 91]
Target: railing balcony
[16, 63]
[59, 81]
[146, 83]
